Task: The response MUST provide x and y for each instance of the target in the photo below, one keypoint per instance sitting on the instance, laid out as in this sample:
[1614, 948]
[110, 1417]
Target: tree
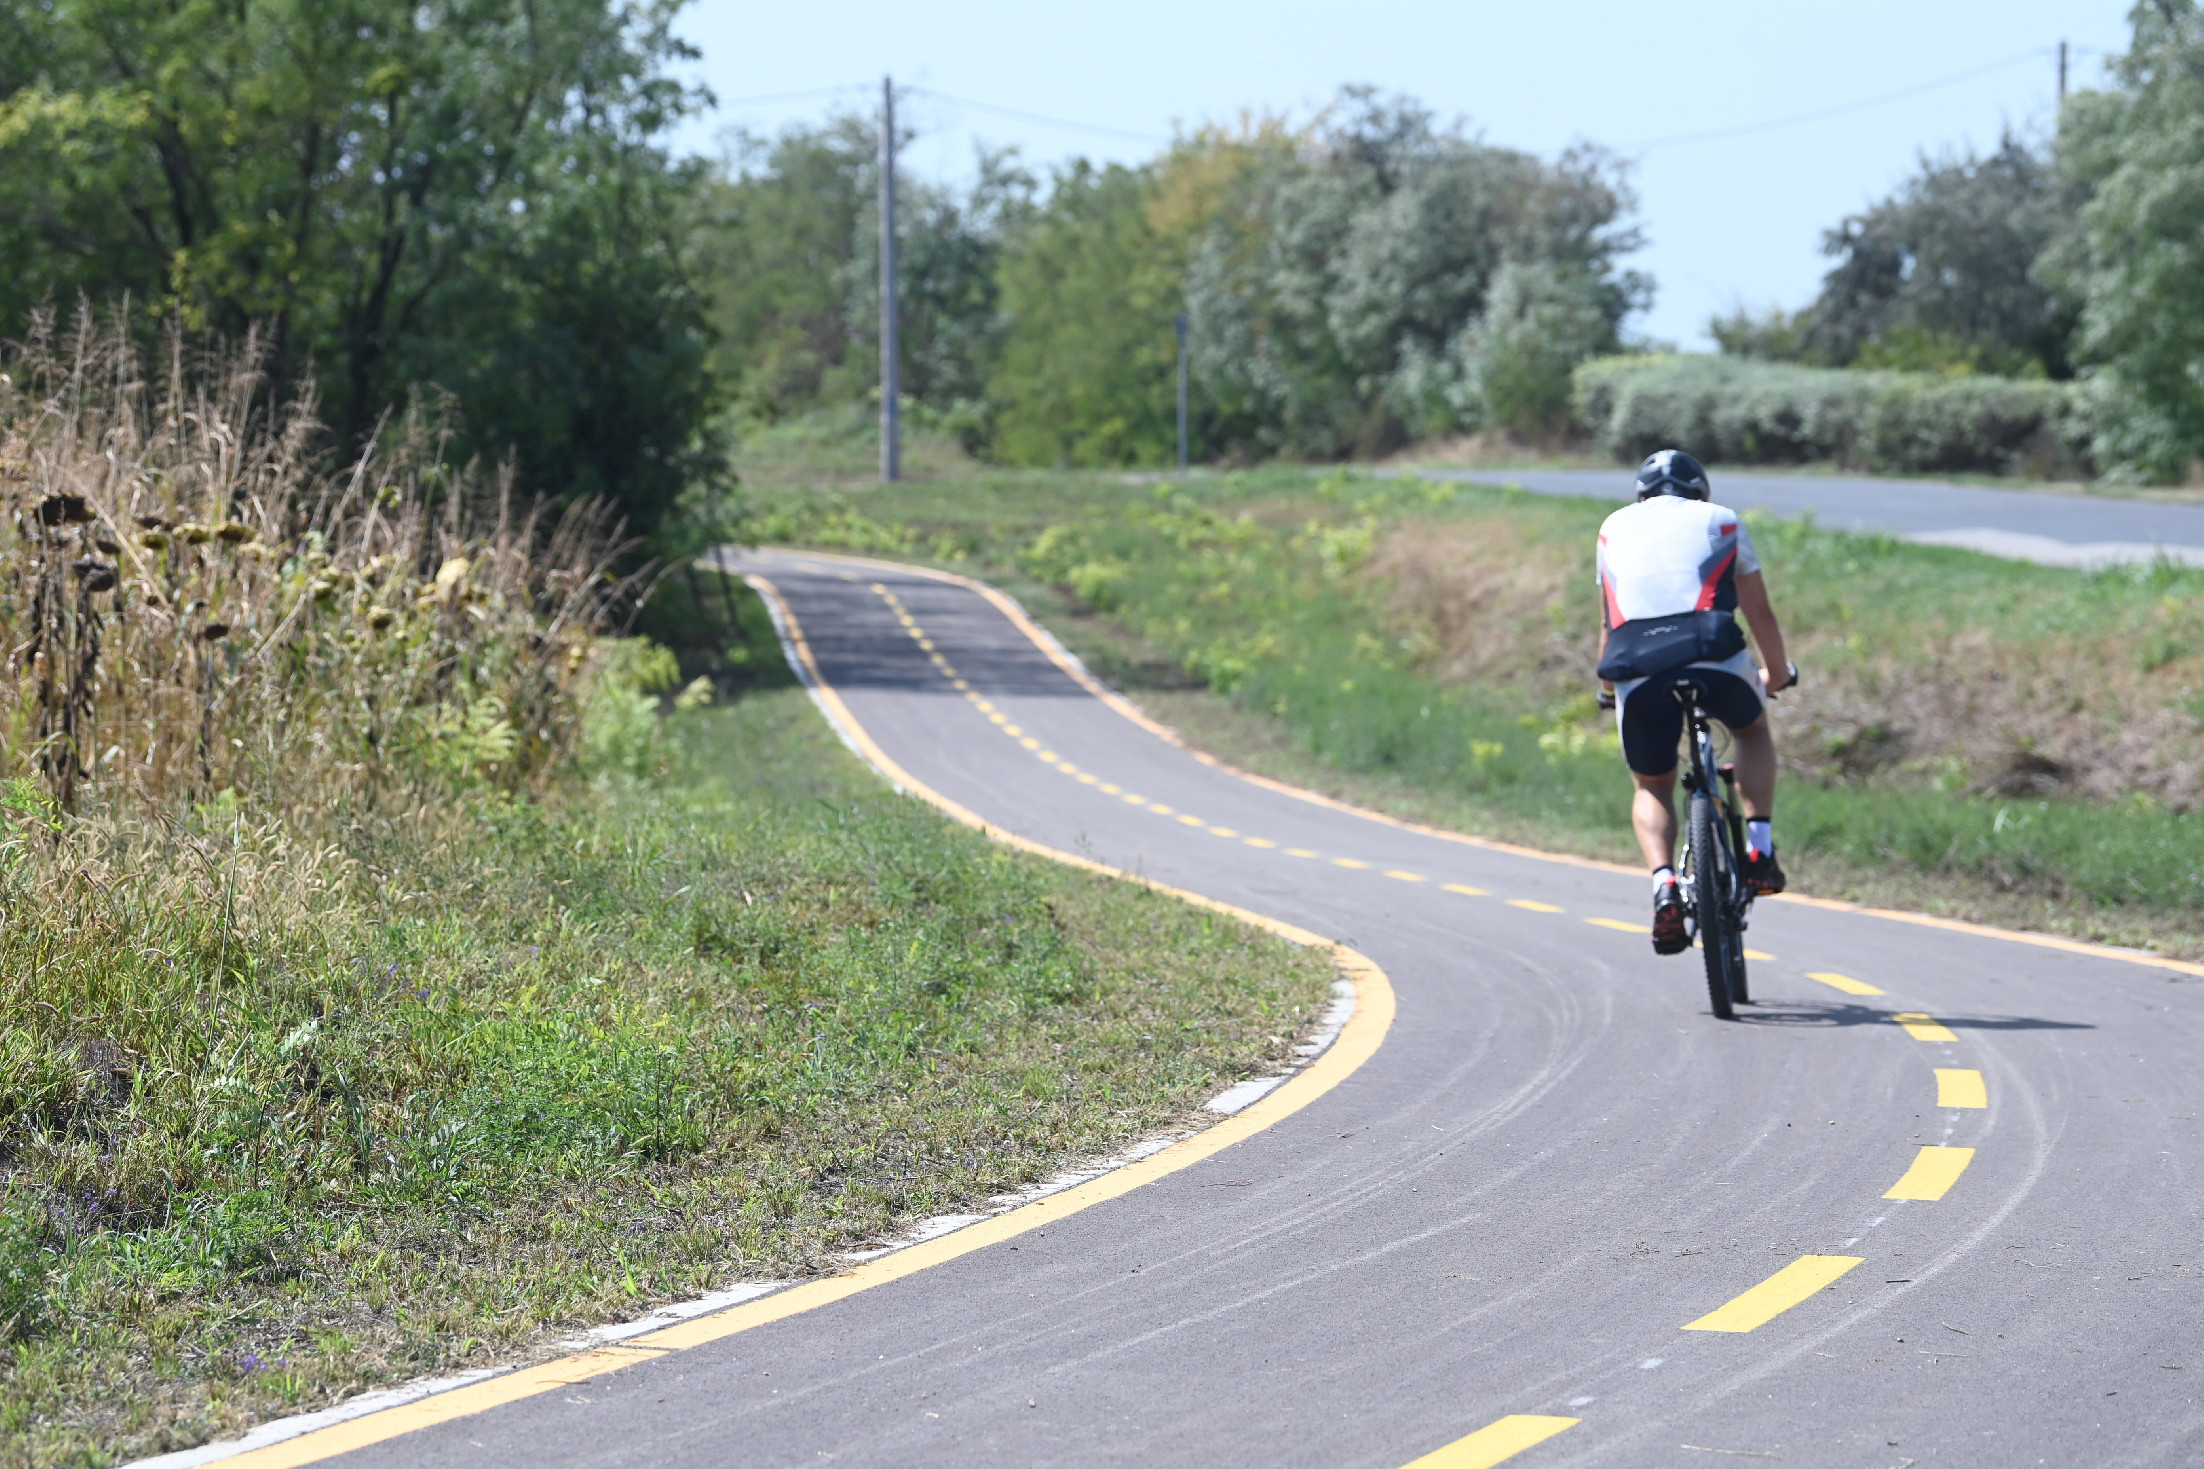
[1541, 319]
[1941, 274]
[2133, 160]
[791, 239]
[1333, 293]
[1085, 371]
[464, 193]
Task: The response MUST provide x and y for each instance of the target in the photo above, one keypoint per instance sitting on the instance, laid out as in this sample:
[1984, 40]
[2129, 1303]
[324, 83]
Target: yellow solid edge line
[1960, 1088]
[1843, 982]
[1532, 905]
[460, 1402]
[1934, 1171]
[1495, 1442]
[1777, 1294]
[1047, 643]
[1618, 925]
[1922, 1028]
[1357, 1041]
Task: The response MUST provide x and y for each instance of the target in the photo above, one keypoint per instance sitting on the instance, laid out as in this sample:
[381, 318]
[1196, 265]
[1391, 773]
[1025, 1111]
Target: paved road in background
[1560, 1190]
[2057, 530]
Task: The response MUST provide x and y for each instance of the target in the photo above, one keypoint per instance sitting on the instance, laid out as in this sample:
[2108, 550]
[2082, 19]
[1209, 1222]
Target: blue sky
[1727, 220]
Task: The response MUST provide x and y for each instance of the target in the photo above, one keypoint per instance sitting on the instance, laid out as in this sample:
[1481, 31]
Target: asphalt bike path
[1930, 1200]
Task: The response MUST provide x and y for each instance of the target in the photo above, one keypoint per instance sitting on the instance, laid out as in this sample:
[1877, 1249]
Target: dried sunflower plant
[192, 602]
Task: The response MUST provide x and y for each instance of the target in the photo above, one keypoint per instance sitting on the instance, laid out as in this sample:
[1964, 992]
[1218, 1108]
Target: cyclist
[1674, 569]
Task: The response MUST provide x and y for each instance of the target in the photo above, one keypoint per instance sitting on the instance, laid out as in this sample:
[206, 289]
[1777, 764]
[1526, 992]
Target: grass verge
[490, 1072]
[1983, 738]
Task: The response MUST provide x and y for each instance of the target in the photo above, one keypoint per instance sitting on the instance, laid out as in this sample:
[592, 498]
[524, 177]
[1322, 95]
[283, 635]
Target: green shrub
[1741, 411]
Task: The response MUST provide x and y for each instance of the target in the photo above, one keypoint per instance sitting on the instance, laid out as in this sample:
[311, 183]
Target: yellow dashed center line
[1618, 925]
[1933, 1173]
[997, 717]
[1922, 1028]
[1495, 1443]
[1792, 1284]
[1957, 1088]
[1844, 982]
[1759, 956]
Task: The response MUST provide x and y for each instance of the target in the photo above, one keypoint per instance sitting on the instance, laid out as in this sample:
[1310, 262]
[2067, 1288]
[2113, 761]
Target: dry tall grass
[192, 602]
[1966, 707]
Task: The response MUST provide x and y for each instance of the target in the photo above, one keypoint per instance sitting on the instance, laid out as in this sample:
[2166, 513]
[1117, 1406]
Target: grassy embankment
[403, 998]
[1977, 737]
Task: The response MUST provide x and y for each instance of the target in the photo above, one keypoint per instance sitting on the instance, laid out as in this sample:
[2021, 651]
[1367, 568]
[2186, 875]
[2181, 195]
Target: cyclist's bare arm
[1752, 600]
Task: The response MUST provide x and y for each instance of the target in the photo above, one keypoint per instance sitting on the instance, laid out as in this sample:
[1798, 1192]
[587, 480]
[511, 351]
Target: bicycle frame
[1719, 898]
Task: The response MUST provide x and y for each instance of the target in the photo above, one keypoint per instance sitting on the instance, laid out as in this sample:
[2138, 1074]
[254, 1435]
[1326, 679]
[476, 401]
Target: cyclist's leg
[1651, 724]
[1754, 756]
[1653, 817]
[1734, 697]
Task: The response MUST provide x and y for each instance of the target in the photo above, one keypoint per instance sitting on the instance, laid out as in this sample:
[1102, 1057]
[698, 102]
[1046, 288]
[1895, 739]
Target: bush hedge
[1742, 411]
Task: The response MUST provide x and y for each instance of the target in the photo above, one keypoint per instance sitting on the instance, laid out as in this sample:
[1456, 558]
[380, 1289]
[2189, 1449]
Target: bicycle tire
[1740, 992]
[1709, 907]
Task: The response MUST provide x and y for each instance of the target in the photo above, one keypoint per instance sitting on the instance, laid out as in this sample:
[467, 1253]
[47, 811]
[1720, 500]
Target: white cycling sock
[1662, 877]
[1759, 837]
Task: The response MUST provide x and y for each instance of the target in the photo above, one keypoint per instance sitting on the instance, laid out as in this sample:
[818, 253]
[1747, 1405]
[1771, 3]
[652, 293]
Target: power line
[807, 96]
[1035, 117]
[1747, 129]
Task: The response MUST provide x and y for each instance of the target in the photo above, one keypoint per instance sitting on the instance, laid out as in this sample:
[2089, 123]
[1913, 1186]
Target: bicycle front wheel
[1718, 939]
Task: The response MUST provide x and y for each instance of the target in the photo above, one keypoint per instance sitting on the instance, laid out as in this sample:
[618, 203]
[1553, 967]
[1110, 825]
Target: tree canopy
[469, 194]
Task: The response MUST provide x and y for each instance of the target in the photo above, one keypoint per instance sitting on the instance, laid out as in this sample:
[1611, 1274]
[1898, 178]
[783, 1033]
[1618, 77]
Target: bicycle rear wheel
[1709, 900]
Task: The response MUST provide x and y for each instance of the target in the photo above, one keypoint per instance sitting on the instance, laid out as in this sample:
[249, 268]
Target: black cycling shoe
[1762, 874]
[1669, 935]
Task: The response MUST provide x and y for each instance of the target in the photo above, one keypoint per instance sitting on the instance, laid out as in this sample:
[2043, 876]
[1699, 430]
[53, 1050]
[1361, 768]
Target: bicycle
[1718, 903]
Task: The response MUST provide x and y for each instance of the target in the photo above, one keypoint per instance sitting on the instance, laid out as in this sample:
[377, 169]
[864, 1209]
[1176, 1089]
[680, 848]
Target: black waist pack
[1645, 646]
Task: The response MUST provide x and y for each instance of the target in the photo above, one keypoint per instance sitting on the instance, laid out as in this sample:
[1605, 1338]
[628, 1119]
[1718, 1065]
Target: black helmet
[1672, 472]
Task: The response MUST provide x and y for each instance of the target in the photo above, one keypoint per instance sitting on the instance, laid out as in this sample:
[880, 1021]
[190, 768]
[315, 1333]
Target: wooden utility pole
[891, 385]
[2062, 74]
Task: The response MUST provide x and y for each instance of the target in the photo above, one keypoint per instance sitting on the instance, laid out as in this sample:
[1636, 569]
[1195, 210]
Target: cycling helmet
[1672, 472]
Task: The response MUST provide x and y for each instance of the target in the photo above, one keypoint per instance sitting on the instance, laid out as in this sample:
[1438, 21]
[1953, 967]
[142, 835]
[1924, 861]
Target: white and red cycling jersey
[1666, 555]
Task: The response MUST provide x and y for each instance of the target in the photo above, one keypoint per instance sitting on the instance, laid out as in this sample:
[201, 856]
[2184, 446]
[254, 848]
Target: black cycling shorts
[1652, 722]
